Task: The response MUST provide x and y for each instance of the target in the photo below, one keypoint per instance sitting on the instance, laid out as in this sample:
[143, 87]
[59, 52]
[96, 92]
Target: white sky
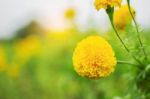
[17, 13]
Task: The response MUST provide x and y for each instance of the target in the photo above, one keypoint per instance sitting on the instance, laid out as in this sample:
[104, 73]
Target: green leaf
[147, 68]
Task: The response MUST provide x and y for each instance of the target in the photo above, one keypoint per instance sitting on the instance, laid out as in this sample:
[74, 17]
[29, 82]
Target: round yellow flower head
[94, 58]
[122, 17]
[70, 13]
[106, 3]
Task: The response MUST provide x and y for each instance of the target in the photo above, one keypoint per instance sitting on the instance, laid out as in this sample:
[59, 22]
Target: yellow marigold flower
[106, 3]
[70, 13]
[94, 57]
[122, 17]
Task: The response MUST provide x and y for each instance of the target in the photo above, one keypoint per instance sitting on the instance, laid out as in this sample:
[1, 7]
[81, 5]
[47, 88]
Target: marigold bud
[122, 17]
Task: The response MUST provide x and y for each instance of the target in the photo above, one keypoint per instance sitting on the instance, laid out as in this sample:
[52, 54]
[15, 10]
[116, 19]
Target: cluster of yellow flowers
[122, 16]
[24, 49]
[94, 58]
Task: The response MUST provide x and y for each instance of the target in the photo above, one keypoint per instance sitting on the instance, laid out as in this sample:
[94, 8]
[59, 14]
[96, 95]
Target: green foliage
[50, 74]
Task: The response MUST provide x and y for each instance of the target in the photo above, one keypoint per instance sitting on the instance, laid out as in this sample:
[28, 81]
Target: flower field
[41, 63]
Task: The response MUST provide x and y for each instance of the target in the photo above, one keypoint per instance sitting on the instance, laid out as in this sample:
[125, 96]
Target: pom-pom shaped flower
[106, 3]
[94, 58]
[122, 17]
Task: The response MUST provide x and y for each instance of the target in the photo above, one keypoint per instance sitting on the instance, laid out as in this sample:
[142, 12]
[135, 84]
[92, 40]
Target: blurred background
[37, 39]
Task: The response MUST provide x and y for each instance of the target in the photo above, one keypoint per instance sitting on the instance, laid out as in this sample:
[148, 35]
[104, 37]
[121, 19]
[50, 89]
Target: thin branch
[124, 43]
[125, 62]
[128, 63]
[137, 30]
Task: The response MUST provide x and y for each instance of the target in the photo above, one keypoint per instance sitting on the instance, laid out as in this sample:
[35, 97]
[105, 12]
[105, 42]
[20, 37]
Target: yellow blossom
[122, 17]
[99, 4]
[70, 13]
[94, 57]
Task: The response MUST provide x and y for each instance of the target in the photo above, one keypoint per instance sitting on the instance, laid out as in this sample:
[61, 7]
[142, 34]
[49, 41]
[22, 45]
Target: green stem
[124, 44]
[125, 62]
[137, 30]
[128, 63]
